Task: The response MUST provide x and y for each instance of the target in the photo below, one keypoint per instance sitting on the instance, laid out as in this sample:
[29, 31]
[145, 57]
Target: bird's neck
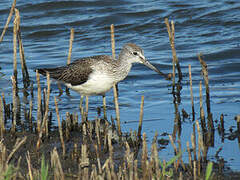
[124, 66]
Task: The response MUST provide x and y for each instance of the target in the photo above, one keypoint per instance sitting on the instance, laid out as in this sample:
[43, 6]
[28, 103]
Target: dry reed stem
[14, 101]
[117, 109]
[39, 107]
[171, 34]
[45, 119]
[21, 51]
[59, 126]
[171, 39]
[70, 46]
[193, 140]
[194, 170]
[202, 116]
[98, 159]
[84, 156]
[115, 86]
[16, 147]
[113, 41]
[200, 147]
[29, 165]
[8, 20]
[97, 130]
[44, 125]
[67, 128]
[144, 156]
[104, 107]
[3, 156]
[56, 165]
[191, 91]
[6, 107]
[110, 147]
[173, 145]
[206, 81]
[140, 118]
[30, 115]
[15, 30]
[69, 57]
[86, 112]
[155, 158]
[2, 125]
[222, 123]
[129, 158]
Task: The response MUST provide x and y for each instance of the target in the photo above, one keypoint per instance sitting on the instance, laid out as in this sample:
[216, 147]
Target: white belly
[97, 84]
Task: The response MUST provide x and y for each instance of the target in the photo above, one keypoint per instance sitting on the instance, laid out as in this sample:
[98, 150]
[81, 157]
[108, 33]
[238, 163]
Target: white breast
[97, 84]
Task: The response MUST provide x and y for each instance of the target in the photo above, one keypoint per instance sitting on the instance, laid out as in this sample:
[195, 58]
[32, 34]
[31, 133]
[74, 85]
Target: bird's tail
[54, 73]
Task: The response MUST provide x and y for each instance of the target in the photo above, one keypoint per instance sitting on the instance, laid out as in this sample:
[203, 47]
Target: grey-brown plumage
[97, 74]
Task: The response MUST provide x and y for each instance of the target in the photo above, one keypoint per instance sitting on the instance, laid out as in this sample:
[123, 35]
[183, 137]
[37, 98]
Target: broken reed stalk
[8, 20]
[110, 148]
[113, 41]
[206, 81]
[44, 125]
[140, 118]
[200, 147]
[6, 107]
[70, 53]
[15, 30]
[45, 119]
[59, 126]
[86, 102]
[30, 115]
[14, 101]
[222, 126]
[171, 34]
[195, 170]
[29, 165]
[193, 140]
[104, 108]
[70, 46]
[202, 116]
[39, 107]
[191, 91]
[2, 125]
[115, 86]
[25, 74]
[144, 156]
[209, 114]
[98, 159]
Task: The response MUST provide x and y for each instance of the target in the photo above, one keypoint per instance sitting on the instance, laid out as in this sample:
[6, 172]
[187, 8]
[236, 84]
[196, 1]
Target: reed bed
[97, 149]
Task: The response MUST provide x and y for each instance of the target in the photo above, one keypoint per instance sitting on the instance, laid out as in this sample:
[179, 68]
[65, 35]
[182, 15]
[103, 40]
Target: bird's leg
[104, 107]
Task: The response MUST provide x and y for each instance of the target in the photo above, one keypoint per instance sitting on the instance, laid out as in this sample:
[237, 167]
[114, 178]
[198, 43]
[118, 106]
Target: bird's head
[134, 54]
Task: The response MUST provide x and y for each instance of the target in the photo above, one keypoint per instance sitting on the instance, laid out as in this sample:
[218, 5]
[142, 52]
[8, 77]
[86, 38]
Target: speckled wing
[75, 73]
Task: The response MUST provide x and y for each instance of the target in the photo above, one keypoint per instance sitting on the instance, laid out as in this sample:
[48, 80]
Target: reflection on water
[207, 27]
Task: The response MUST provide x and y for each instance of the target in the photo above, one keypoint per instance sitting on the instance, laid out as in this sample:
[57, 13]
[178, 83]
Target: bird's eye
[135, 53]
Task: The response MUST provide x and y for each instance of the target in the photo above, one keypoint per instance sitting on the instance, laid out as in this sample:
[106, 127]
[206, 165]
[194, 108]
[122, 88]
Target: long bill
[149, 65]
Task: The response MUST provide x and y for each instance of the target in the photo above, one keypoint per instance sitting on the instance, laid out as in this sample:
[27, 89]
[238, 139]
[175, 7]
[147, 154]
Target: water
[209, 27]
